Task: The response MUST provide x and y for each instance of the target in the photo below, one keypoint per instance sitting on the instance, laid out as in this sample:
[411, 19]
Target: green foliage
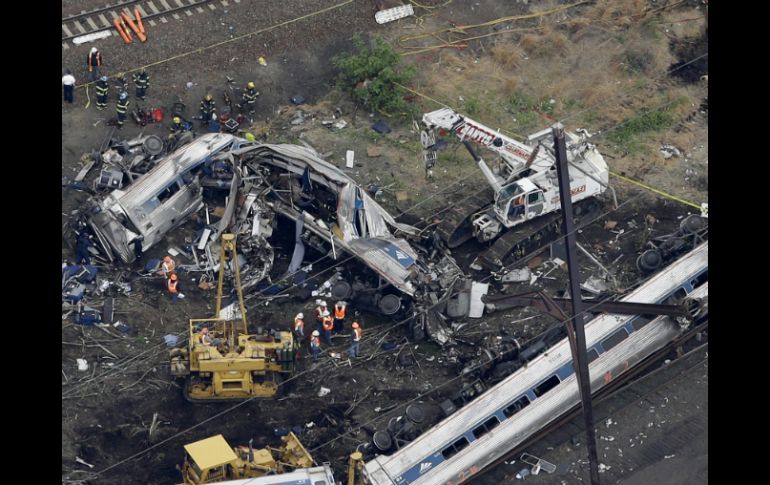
[647, 120]
[371, 75]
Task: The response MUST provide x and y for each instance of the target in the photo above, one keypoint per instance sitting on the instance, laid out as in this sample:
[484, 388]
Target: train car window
[640, 322]
[677, 297]
[702, 278]
[614, 339]
[486, 427]
[546, 386]
[516, 406]
[319, 482]
[454, 448]
[592, 355]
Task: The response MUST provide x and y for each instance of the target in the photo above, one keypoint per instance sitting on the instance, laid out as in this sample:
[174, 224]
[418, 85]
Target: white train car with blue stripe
[320, 475]
[502, 418]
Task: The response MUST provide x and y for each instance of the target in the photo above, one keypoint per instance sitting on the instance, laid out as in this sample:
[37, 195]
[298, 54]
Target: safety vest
[339, 313]
[94, 60]
[298, 323]
[315, 342]
[318, 312]
[172, 285]
[327, 323]
[357, 334]
[250, 95]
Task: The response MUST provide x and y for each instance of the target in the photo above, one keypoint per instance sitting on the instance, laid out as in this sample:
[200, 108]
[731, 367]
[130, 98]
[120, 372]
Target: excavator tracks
[521, 240]
[455, 227]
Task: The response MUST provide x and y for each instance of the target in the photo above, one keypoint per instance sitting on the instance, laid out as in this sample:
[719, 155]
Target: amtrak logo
[401, 255]
[425, 467]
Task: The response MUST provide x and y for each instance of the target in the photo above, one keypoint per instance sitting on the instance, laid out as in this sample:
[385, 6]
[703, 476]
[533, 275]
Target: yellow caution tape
[654, 190]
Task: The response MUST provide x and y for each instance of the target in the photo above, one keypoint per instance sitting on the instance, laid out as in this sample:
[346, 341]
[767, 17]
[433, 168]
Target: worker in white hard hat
[315, 344]
[93, 63]
[319, 314]
[299, 326]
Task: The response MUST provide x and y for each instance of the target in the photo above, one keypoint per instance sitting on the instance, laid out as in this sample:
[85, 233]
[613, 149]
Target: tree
[372, 76]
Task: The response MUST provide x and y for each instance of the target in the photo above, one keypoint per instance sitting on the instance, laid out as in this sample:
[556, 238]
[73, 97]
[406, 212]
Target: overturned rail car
[505, 416]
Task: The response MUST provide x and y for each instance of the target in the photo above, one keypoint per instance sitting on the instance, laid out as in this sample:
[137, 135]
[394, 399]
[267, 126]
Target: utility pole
[579, 356]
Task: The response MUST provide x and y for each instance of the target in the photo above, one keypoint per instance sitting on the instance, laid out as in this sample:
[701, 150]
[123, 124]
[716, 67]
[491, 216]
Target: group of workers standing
[325, 325]
[142, 82]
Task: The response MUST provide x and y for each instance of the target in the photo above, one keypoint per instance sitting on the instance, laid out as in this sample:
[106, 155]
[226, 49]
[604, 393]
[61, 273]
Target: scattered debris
[82, 364]
[349, 158]
[323, 391]
[381, 127]
[669, 151]
[395, 13]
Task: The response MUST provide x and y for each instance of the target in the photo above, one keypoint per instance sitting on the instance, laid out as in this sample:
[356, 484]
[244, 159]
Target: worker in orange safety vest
[355, 338]
[299, 326]
[340, 308]
[328, 325]
[315, 345]
[172, 283]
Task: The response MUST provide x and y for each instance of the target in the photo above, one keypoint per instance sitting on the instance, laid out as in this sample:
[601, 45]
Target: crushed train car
[331, 213]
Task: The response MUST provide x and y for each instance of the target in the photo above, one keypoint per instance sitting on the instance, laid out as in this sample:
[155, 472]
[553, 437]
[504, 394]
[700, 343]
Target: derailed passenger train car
[158, 201]
[299, 185]
[506, 415]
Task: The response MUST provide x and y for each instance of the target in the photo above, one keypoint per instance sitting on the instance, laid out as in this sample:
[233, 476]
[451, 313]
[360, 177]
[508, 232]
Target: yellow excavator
[223, 361]
[213, 460]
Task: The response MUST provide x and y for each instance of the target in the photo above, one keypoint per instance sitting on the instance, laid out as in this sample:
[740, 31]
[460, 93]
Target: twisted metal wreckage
[332, 214]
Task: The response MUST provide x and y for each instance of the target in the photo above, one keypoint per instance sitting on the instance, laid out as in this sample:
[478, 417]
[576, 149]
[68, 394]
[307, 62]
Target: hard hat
[167, 259]
[300, 316]
[177, 119]
[204, 330]
[250, 85]
[355, 324]
[315, 333]
[250, 137]
[103, 78]
[209, 97]
[94, 50]
[173, 276]
[123, 95]
[323, 303]
[340, 303]
[325, 313]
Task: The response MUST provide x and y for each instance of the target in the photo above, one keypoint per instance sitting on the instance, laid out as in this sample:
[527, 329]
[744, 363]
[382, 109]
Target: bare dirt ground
[601, 64]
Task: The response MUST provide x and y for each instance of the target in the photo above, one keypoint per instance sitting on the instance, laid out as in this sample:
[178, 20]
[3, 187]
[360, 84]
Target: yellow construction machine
[213, 460]
[223, 361]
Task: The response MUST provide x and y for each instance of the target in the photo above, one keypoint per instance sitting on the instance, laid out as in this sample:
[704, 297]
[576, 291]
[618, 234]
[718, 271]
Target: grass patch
[648, 120]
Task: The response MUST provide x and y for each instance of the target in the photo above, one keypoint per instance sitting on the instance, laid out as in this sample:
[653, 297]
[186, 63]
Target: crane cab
[520, 201]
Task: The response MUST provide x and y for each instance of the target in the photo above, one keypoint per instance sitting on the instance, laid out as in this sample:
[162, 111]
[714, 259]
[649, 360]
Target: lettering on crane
[483, 137]
[573, 193]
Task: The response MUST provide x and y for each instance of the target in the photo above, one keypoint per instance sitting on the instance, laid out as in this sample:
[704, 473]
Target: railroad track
[153, 12]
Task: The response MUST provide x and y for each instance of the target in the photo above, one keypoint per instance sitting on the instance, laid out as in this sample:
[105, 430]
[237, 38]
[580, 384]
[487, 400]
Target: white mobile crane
[523, 185]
